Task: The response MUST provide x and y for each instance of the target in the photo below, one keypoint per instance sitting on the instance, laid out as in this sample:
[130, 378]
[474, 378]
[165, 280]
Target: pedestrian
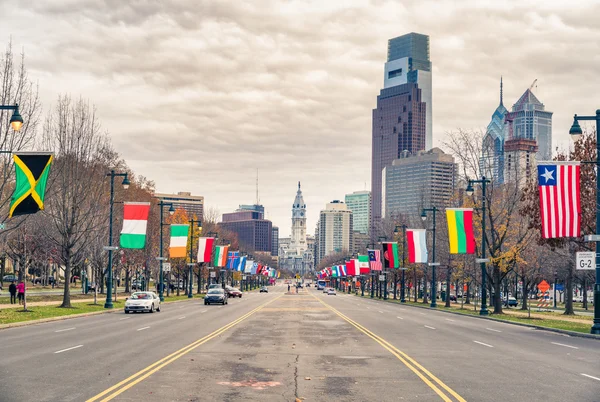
[288, 287]
[21, 292]
[13, 293]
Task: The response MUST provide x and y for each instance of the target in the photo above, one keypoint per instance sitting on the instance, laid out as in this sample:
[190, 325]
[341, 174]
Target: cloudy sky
[199, 94]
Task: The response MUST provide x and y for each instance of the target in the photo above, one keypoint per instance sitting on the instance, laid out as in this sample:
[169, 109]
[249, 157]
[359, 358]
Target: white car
[331, 291]
[142, 302]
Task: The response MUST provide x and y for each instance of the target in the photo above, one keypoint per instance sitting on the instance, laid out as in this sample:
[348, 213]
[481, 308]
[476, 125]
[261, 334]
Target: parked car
[453, 298]
[39, 280]
[264, 289]
[233, 292]
[215, 286]
[578, 299]
[142, 302]
[215, 296]
[331, 291]
[510, 302]
[9, 278]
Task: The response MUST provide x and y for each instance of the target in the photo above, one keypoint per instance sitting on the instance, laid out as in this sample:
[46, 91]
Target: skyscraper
[335, 230]
[359, 202]
[192, 204]
[492, 160]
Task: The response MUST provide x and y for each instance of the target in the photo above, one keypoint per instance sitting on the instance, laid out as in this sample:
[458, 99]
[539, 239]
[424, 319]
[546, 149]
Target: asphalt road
[308, 345]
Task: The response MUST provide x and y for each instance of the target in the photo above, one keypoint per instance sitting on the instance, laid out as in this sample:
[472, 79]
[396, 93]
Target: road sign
[543, 286]
[586, 260]
[382, 277]
[166, 267]
[213, 274]
[559, 288]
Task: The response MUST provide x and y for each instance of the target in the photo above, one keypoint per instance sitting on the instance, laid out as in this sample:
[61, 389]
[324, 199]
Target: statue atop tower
[298, 238]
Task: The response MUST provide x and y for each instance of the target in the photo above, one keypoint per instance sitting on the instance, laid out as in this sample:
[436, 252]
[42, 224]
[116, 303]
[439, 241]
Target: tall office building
[402, 119]
[254, 232]
[192, 204]
[335, 230]
[418, 181]
[520, 160]
[275, 241]
[492, 159]
[359, 202]
[296, 256]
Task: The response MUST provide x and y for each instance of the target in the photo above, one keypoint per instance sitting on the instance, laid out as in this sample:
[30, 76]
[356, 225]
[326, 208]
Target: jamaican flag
[31, 170]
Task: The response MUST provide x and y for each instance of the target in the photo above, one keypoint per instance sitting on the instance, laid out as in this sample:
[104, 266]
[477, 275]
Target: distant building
[192, 204]
[359, 203]
[361, 241]
[520, 156]
[419, 181]
[253, 207]
[294, 253]
[275, 241]
[335, 230]
[492, 160]
[254, 232]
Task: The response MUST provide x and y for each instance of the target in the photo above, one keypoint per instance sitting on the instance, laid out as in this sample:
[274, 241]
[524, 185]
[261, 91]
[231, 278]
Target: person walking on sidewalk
[12, 289]
[21, 292]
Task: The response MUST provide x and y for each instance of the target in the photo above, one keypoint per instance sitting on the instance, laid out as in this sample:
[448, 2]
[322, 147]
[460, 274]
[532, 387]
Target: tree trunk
[525, 293]
[497, 290]
[67, 290]
[127, 279]
[416, 285]
[468, 297]
[569, 291]
[448, 286]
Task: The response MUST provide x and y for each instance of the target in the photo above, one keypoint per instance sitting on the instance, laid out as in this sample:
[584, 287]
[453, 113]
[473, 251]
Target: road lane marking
[590, 376]
[66, 329]
[422, 313]
[143, 328]
[181, 318]
[566, 346]
[124, 318]
[203, 311]
[448, 319]
[141, 375]
[64, 350]
[400, 318]
[427, 326]
[425, 375]
[484, 344]
[494, 330]
[381, 311]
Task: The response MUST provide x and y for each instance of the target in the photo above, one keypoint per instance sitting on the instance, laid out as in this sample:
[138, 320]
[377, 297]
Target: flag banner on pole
[460, 230]
[363, 264]
[179, 238]
[352, 267]
[334, 272]
[241, 264]
[220, 258]
[558, 184]
[135, 221]
[375, 260]
[233, 259]
[205, 248]
[254, 268]
[31, 176]
[416, 241]
[248, 267]
[390, 254]
[342, 270]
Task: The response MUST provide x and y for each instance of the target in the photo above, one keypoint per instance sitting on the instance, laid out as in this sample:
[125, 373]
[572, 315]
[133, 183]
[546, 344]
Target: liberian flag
[390, 253]
[241, 264]
[220, 259]
[363, 264]
[205, 248]
[559, 199]
[417, 245]
[135, 221]
[233, 258]
[375, 260]
[179, 237]
[248, 267]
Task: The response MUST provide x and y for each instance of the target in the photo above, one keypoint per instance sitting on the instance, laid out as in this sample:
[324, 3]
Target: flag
[233, 259]
[248, 267]
[416, 241]
[135, 221]
[241, 264]
[559, 199]
[31, 175]
[363, 264]
[375, 260]
[352, 267]
[460, 230]
[342, 270]
[390, 253]
[220, 257]
[278, 274]
[205, 248]
[179, 237]
[254, 268]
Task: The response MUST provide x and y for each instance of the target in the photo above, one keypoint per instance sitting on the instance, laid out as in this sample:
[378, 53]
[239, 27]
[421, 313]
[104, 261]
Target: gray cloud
[198, 94]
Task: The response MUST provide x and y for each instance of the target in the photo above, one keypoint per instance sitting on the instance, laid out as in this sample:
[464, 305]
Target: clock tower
[298, 240]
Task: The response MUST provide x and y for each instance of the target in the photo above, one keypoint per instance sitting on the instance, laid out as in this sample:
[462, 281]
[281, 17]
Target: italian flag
[179, 237]
[135, 221]
[220, 259]
[205, 248]
[460, 230]
[363, 264]
[390, 253]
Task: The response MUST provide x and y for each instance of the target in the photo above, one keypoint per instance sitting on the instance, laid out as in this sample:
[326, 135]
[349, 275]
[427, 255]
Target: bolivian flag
[31, 171]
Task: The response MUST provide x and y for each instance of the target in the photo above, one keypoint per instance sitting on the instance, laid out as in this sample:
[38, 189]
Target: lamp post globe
[125, 182]
[16, 121]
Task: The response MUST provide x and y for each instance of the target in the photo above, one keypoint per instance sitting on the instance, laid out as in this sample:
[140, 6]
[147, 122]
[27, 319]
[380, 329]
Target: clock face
[301, 213]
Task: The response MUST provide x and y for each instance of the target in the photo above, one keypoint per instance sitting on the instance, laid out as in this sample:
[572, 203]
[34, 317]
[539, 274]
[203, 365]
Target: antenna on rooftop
[257, 199]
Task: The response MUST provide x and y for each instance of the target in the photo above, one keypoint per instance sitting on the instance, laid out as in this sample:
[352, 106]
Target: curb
[556, 330]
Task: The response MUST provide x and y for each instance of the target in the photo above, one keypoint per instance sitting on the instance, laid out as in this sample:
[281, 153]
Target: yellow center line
[151, 369]
[403, 357]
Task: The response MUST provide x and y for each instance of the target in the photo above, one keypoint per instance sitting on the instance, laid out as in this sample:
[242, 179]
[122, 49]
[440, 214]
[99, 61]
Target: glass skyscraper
[359, 202]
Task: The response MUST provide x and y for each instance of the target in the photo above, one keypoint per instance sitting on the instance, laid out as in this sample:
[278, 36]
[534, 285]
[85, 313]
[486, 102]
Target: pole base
[484, 312]
[433, 305]
[595, 329]
[162, 298]
[402, 300]
[190, 295]
[108, 305]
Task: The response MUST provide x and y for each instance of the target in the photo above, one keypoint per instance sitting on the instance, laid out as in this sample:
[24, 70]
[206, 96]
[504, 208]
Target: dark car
[510, 302]
[39, 280]
[453, 298]
[233, 292]
[264, 289]
[215, 296]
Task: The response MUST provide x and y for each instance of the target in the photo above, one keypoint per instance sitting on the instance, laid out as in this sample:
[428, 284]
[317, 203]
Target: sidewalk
[46, 303]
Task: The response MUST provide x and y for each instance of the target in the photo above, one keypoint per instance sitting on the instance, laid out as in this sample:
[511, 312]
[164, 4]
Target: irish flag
[220, 259]
[179, 237]
[417, 245]
[135, 221]
[460, 230]
[363, 264]
[390, 253]
[205, 248]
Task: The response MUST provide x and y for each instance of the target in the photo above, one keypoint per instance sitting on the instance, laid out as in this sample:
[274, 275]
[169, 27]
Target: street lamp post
[403, 267]
[161, 205]
[110, 248]
[433, 210]
[16, 121]
[483, 181]
[576, 132]
[191, 264]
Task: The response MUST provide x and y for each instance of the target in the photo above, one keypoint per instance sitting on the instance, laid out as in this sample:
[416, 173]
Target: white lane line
[400, 318]
[492, 329]
[448, 319]
[143, 328]
[124, 318]
[590, 376]
[422, 313]
[566, 346]
[381, 311]
[368, 308]
[427, 326]
[64, 350]
[66, 329]
[203, 311]
[484, 344]
[181, 318]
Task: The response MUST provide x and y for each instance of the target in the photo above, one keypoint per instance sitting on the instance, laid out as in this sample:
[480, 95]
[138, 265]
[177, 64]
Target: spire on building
[298, 184]
[501, 90]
